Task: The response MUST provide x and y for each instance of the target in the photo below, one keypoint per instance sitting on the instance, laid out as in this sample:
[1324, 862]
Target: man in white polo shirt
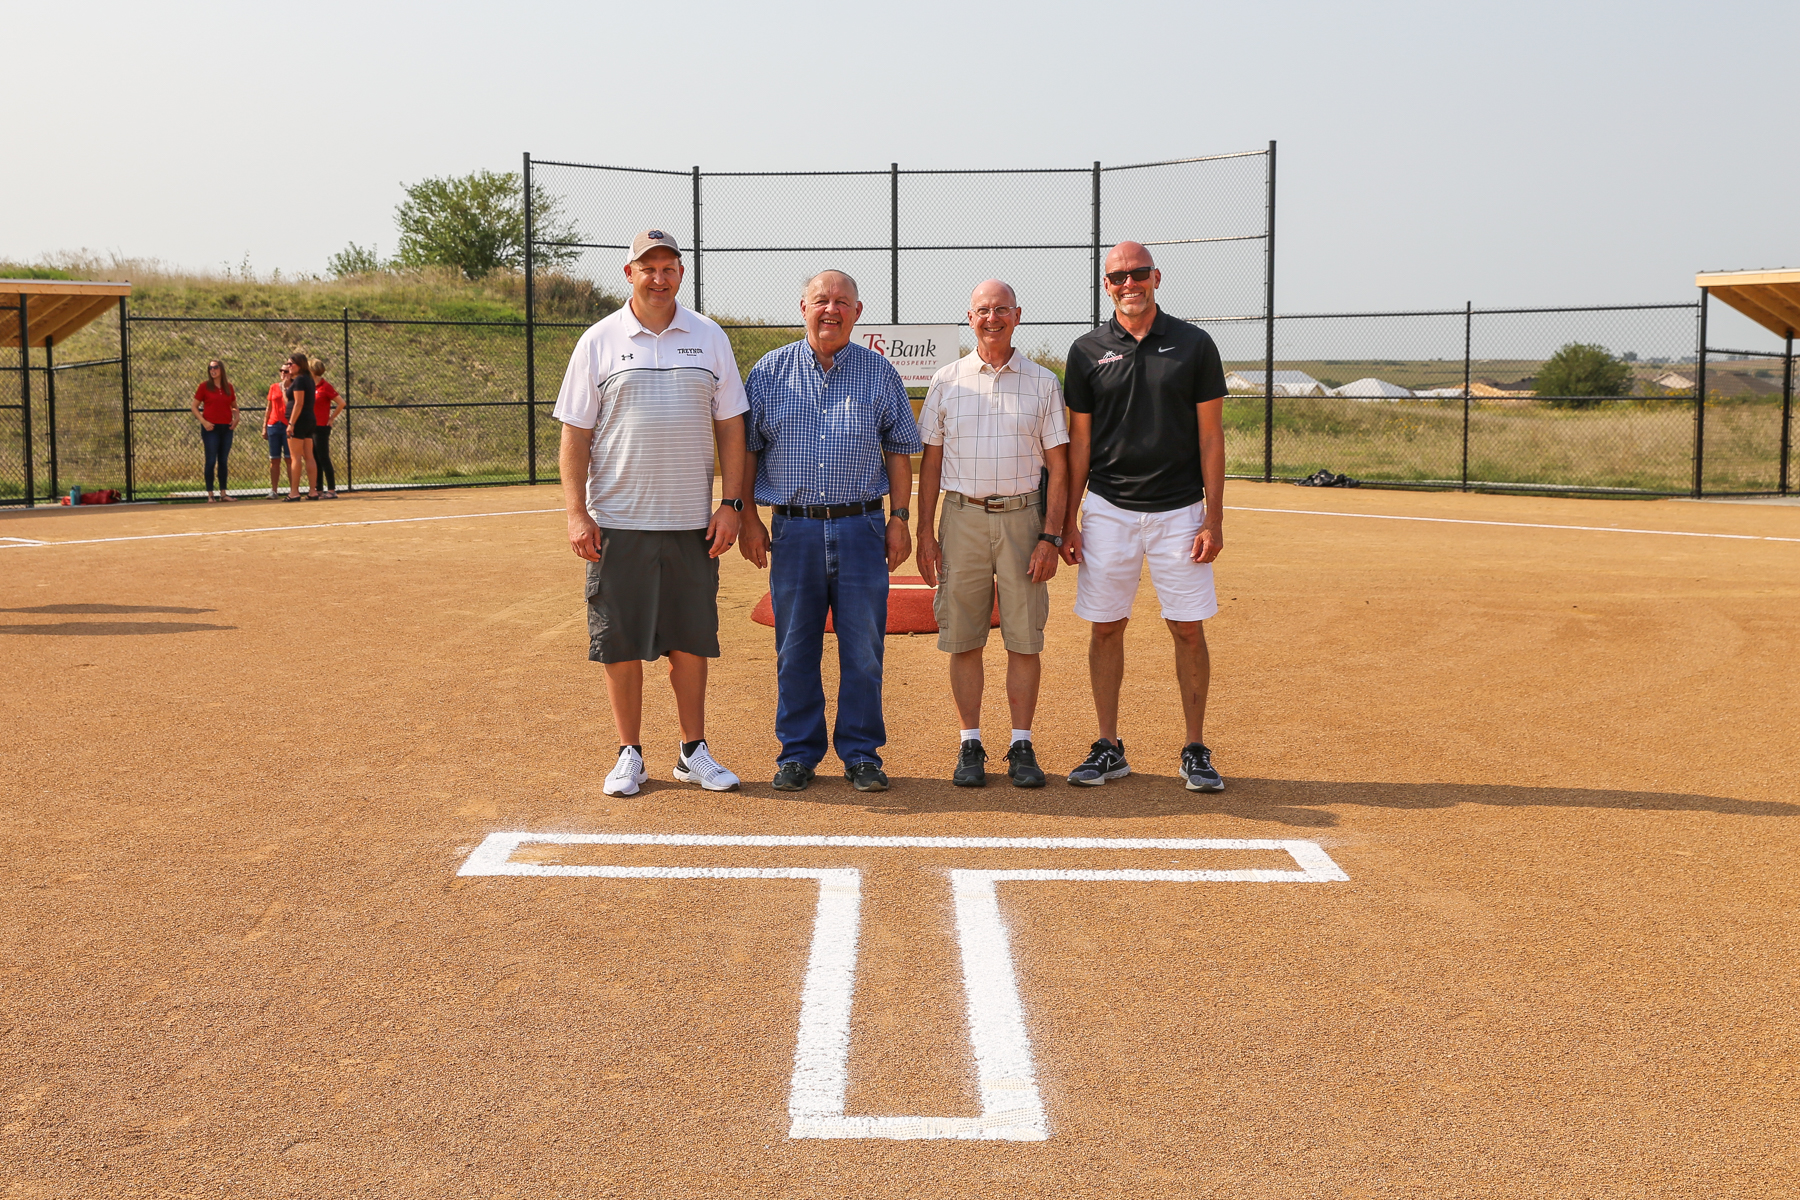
[993, 425]
[650, 392]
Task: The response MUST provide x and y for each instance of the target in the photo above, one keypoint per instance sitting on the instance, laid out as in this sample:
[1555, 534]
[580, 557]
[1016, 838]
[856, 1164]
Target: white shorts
[1115, 544]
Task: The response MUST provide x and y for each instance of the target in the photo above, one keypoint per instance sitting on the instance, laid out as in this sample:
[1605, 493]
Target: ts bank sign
[917, 351]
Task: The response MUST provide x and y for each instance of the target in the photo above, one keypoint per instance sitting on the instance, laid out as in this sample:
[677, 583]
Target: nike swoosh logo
[1164, 349]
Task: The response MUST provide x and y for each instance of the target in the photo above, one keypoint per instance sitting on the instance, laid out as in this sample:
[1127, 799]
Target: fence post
[1269, 330]
[349, 475]
[1787, 409]
[1468, 338]
[125, 397]
[50, 407]
[894, 243]
[25, 402]
[1700, 401]
[1096, 245]
[699, 301]
[531, 335]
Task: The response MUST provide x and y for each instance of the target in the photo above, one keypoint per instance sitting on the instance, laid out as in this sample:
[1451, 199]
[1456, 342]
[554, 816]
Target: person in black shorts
[1146, 395]
[301, 396]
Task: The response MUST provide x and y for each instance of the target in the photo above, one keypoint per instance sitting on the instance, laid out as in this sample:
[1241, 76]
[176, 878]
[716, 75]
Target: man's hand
[1207, 544]
[584, 536]
[899, 543]
[722, 530]
[1071, 547]
[930, 557]
[1043, 563]
[753, 537]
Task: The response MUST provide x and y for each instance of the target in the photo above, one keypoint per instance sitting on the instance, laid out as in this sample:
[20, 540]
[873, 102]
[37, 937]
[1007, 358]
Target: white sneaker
[702, 768]
[626, 774]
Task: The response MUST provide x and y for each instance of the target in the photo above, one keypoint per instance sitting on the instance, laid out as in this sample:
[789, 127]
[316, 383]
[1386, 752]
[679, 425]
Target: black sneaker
[1197, 769]
[792, 777]
[1022, 766]
[866, 777]
[971, 766]
[1105, 760]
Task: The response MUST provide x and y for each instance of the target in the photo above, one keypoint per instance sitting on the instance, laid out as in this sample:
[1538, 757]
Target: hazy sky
[1522, 153]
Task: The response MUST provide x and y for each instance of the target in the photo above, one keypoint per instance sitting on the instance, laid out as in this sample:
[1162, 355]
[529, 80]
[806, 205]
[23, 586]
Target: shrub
[476, 223]
[353, 260]
[1577, 375]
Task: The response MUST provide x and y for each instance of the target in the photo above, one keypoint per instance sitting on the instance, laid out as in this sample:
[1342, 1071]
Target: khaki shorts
[982, 551]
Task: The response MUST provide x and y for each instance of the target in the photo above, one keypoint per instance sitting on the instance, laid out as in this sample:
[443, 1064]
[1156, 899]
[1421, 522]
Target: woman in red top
[215, 407]
[327, 405]
[275, 431]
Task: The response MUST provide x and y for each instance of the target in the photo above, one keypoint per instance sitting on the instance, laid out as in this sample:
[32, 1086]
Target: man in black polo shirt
[1146, 397]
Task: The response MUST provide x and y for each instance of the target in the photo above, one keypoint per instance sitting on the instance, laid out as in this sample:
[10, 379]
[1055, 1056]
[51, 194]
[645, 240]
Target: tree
[476, 223]
[1579, 373]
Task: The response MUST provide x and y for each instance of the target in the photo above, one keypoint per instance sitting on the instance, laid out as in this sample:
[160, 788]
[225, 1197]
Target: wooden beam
[1719, 279]
[1784, 302]
[1746, 301]
[61, 287]
[73, 320]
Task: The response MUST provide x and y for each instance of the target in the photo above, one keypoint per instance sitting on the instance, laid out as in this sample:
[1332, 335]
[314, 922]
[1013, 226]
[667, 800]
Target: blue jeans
[217, 442]
[837, 565]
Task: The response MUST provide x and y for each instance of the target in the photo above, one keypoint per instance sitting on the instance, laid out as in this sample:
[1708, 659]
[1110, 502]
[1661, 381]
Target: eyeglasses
[1137, 274]
[1004, 311]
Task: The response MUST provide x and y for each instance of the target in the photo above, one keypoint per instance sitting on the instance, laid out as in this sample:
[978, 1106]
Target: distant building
[1375, 389]
[1673, 380]
[1287, 383]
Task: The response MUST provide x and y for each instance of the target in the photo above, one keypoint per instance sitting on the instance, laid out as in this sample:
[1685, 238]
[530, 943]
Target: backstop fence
[1473, 398]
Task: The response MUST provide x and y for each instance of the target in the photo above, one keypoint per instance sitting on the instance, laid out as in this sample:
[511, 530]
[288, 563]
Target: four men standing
[653, 389]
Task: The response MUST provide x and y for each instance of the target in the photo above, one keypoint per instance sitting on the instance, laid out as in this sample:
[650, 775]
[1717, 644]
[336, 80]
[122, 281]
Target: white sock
[971, 735]
[1021, 735]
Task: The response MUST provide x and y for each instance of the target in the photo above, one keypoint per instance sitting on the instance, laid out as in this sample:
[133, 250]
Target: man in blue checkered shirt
[828, 432]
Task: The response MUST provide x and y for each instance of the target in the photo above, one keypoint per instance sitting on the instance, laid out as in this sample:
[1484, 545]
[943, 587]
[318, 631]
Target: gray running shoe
[866, 777]
[1022, 766]
[1197, 769]
[792, 777]
[971, 766]
[1105, 761]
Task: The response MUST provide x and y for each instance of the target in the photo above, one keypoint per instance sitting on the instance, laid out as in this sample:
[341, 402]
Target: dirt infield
[243, 771]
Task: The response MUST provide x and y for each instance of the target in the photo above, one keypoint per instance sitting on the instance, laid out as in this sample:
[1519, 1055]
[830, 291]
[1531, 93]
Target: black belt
[826, 512]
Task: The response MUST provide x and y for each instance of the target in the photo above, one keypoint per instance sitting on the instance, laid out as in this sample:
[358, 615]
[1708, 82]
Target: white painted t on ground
[1011, 1109]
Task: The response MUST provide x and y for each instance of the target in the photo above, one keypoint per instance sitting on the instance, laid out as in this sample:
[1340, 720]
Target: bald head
[993, 292]
[833, 275]
[1126, 255]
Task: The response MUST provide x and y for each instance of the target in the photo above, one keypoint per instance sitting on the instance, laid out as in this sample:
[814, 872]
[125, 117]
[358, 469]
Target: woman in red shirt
[328, 404]
[215, 407]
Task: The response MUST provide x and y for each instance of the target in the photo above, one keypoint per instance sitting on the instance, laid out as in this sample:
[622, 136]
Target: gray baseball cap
[649, 240]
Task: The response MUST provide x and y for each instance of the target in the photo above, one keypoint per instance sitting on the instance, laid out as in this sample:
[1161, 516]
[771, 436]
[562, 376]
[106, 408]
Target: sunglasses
[1137, 274]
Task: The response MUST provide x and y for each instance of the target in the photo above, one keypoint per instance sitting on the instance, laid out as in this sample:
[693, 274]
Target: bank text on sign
[917, 351]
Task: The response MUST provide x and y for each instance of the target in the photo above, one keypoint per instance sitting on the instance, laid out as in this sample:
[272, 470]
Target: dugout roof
[54, 308]
[1770, 298]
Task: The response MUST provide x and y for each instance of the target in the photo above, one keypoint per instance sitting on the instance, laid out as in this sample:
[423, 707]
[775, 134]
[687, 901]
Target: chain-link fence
[1620, 399]
[918, 241]
[428, 403]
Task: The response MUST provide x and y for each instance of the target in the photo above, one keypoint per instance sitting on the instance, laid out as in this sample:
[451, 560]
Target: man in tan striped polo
[994, 430]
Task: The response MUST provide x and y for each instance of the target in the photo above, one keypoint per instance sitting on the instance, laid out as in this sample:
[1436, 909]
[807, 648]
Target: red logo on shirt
[1110, 358]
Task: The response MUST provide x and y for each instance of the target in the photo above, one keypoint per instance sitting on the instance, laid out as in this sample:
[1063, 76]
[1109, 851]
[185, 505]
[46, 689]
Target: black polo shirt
[1145, 453]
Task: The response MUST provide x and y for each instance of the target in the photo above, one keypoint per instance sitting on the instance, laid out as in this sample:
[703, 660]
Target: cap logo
[656, 235]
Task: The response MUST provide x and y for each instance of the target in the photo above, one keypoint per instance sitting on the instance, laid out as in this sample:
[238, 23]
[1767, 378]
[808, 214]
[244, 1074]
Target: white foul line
[20, 543]
[1312, 512]
[1012, 1109]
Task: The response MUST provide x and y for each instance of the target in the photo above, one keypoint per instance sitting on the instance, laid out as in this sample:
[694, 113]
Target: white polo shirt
[651, 400]
[994, 424]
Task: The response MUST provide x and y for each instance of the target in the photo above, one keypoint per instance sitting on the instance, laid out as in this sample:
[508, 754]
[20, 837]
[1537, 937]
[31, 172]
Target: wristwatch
[735, 505]
[905, 514]
[1051, 538]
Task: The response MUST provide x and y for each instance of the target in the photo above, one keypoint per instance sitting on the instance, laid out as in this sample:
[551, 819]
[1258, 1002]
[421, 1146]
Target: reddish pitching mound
[909, 608]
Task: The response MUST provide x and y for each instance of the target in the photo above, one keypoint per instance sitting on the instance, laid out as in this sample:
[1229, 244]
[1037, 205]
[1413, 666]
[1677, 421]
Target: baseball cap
[649, 240]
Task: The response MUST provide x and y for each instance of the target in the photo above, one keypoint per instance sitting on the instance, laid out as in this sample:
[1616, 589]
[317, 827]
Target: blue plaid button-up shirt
[821, 434]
